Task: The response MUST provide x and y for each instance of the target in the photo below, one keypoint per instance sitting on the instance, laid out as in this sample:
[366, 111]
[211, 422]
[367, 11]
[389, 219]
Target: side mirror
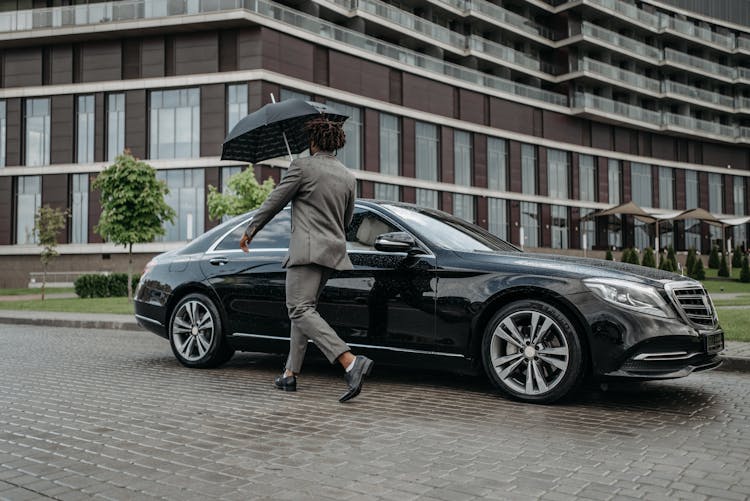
[398, 241]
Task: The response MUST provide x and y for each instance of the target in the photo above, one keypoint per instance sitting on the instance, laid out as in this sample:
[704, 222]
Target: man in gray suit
[321, 190]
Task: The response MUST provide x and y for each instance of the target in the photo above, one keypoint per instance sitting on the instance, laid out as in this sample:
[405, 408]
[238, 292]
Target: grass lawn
[118, 305]
[743, 300]
[734, 323]
[714, 286]
[23, 292]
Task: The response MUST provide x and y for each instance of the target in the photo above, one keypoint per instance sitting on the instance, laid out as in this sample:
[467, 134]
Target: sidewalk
[736, 355]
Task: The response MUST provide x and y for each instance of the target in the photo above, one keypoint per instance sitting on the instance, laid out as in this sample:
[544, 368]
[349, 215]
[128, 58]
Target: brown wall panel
[13, 131]
[152, 57]
[101, 61]
[372, 140]
[654, 186]
[320, 66]
[622, 140]
[575, 176]
[6, 210]
[574, 238]
[602, 174]
[643, 140]
[482, 208]
[131, 58]
[288, 55]
[680, 189]
[213, 119]
[514, 166]
[479, 150]
[721, 156]
[367, 189]
[537, 122]
[408, 144]
[601, 136]
[542, 171]
[728, 183]
[471, 106]
[55, 194]
[626, 186]
[23, 67]
[62, 140]
[446, 155]
[663, 147]
[196, 53]
[228, 50]
[136, 130]
[356, 75]
[511, 116]
[249, 49]
[426, 95]
[545, 221]
[95, 209]
[514, 222]
[395, 86]
[61, 64]
[99, 126]
[446, 202]
[559, 127]
[409, 194]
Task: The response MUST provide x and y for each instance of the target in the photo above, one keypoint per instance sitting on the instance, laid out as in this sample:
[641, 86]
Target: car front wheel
[532, 353]
[195, 333]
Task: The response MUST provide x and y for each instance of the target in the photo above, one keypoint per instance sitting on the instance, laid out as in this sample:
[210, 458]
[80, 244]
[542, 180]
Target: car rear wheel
[195, 333]
[532, 353]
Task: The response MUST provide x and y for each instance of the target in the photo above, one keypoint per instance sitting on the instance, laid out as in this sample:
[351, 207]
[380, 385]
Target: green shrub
[690, 262]
[699, 273]
[667, 265]
[648, 258]
[723, 267]
[608, 256]
[745, 272]
[634, 257]
[672, 257]
[101, 285]
[737, 257]
[625, 258]
[713, 258]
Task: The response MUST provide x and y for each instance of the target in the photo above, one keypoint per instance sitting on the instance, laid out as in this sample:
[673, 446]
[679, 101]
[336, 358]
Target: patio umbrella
[275, 129]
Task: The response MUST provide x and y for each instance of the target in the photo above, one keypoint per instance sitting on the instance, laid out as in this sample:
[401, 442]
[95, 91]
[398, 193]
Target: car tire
[532, 353]
[195, 333]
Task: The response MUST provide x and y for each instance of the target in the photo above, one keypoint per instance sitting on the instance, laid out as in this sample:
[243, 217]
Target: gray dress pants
[304, 285]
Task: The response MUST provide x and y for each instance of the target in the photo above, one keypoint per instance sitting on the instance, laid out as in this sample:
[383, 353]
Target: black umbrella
[274, 129]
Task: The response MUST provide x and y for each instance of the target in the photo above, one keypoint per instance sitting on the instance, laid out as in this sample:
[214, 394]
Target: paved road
[110, 414]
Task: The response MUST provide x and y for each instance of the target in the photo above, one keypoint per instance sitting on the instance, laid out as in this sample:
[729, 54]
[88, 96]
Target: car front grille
[694, 304]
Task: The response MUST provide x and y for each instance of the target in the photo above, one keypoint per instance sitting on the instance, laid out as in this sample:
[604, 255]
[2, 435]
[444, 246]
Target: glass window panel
[558, 167]
[614, 175]
[462, 158]
[37, 131]
[115, 125]
[528, 169]
[85, 132]
[497, 217]
[642, 235]
[274, 235]
[390, 192]
[497, 164]
[351, 154]
[236, 104]
[692, 226]
[79, 209]
[559, 227]
[28, 201]
[390, 144]
[587, 230]
[715, 194]
[641, 184]
[293, 94]
[427, 198]
[365, 227]
[666, 188]
[530, 224]
[463, 207]
[3, 136]
[587, 178]
[187, 197]
[740, 197]
[175, 124]
[426, 151]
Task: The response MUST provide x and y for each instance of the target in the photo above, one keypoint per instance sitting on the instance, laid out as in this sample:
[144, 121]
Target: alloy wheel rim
[193, 330]
[529, 352]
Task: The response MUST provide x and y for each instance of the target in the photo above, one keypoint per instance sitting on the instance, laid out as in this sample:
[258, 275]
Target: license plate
[714, 342]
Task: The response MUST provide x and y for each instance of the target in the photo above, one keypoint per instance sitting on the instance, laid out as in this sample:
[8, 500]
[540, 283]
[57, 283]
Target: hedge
[100, 285]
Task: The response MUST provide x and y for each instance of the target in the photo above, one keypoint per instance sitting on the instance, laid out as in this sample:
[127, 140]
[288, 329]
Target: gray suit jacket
[321, 190]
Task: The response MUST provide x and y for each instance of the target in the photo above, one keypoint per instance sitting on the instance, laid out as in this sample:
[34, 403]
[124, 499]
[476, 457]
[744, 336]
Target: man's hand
[244, 242]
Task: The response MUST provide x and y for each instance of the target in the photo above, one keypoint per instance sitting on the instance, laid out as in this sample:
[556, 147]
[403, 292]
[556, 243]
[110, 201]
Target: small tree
[627, 255]
[133, 206]
[723, 267]
[699, 273]
[745, 272]
[648, 258]
[690, 262]
[47, 225]
[672, 257]
[666, 265]
[608, 255]
[633, 259]
[713, 258]
[244, 194]
[737, 257]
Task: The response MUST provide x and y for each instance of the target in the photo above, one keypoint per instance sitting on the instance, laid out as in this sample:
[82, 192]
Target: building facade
[522, 116]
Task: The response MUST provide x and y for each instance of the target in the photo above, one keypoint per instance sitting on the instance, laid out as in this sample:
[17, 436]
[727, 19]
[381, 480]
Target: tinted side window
[274, 235]
[365, 228]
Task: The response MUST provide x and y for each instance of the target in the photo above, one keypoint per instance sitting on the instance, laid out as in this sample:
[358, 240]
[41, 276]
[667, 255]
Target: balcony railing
[505, 16]
[742, 103]
[630, 11]
[699, 63]
[744, 132]
[615, 73]
[715, 128]
[743, 43]
[585, 100]
[691, 29]
[505, 53]
[698, 94]
[612, 38]
[743, 73]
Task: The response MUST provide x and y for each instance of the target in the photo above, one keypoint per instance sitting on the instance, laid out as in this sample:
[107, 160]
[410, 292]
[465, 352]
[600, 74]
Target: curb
[735, 364]
[76, 324]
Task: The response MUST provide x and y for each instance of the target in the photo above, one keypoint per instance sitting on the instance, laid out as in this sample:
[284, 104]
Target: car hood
[571, 266]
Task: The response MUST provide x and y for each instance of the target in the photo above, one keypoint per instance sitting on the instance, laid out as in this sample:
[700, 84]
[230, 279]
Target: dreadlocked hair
[325, 133]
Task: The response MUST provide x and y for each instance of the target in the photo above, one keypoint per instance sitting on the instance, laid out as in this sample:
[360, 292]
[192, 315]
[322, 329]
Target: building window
[37, 131]
[559, 227]
[390, 144]
[715, 206]
[175, 124]
[614, 188]
[187, 197]
[79, 209]
[530, 224]
[497, 164]
[528, 169]
[587, 230]
[497, 217]
[586, 178]
[426, 162]
[115, 125]
[692, 226]
[351, 154]
[226, 174]
[740, 206]
[391, 192]
[28, 201]
[293, 94]
[666, 188]
[85, 130]
[642, 196]
[236, 104]
[558, 166]
[3, 126]
[463, 205]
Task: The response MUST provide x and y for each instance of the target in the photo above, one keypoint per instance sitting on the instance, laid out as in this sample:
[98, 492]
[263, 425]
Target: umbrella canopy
[628, 208]
[266, 132]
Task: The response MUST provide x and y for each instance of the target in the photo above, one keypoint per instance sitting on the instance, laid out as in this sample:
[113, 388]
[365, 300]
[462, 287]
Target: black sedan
[430, 288]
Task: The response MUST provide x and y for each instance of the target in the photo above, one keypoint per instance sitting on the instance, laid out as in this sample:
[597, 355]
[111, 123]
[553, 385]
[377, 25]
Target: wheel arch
[190, 288]
[494, 303]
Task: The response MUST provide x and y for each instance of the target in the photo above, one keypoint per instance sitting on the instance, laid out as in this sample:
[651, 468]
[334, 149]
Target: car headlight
[629, 295]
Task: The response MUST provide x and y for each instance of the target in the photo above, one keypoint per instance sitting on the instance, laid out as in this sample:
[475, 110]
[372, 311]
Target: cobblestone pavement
[112, 415]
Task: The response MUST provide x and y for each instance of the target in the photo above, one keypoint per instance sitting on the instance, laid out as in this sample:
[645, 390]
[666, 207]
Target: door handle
[218, 261]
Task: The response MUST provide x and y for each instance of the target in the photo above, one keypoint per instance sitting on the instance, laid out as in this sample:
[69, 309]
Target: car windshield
[449, 231]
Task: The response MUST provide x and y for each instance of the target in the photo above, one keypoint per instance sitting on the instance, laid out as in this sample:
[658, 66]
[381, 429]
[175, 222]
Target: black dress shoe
[356, 376]
[286, 383]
